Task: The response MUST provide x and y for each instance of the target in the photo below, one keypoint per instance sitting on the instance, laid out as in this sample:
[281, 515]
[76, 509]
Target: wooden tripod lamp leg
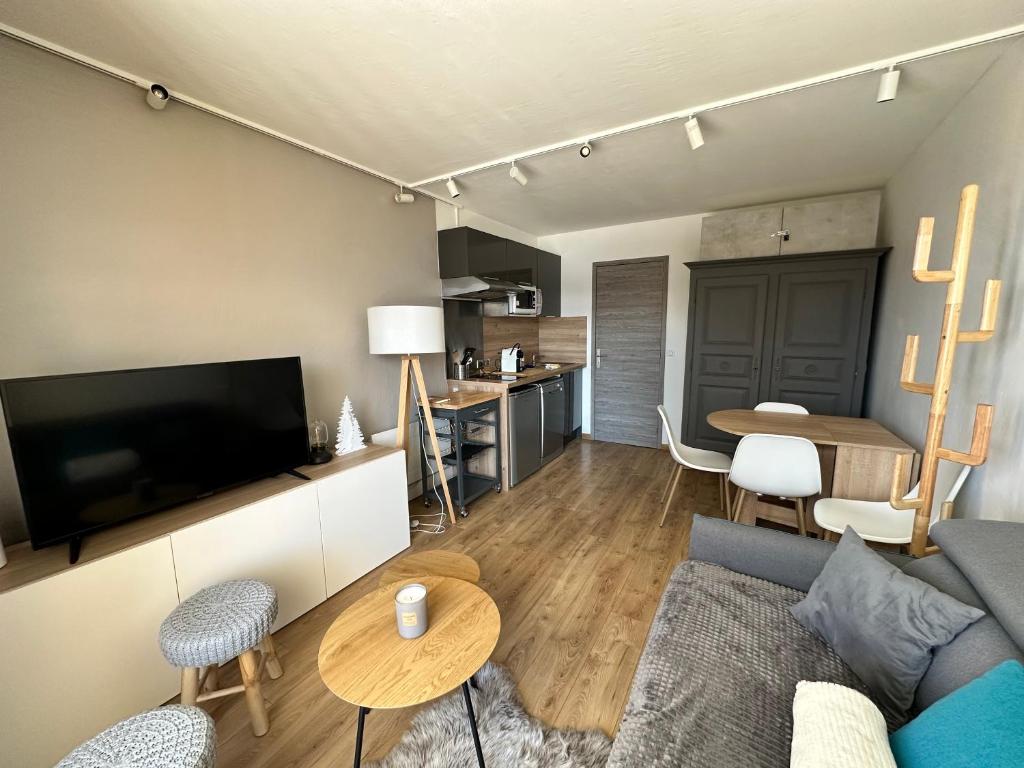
[403, 406]
[421, 389]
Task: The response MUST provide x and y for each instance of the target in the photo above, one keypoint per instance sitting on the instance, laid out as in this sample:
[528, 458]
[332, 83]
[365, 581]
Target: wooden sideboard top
[26, 565]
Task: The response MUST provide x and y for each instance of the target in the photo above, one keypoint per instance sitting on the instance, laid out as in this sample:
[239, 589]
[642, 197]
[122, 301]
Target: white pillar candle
[411, 611]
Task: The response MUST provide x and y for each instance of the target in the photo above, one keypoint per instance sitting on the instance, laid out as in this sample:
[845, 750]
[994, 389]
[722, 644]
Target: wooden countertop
[822, 430]
[456, 401]
[529, 376]
[26, 565]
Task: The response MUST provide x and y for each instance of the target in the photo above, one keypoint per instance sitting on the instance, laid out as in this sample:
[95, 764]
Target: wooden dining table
[857, 456]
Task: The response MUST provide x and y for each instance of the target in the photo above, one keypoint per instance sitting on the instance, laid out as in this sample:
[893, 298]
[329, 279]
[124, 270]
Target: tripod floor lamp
[411, 331]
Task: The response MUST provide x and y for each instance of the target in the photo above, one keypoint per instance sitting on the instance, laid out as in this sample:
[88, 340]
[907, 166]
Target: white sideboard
[78, 644]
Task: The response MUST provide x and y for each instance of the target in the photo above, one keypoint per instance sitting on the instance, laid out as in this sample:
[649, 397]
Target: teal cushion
[979, 725]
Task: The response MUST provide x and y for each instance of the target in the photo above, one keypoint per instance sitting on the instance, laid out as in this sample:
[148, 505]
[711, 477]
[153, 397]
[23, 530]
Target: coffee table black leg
[359, 735]
[472, 725]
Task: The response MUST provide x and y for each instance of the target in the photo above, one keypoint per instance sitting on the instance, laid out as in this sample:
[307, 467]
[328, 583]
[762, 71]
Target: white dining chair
[880, 521]
[782, 408]
[776, 465]
[694, 458]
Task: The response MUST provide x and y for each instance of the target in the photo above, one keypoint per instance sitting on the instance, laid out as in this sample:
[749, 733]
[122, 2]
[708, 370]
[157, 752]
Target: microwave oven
[527, 301]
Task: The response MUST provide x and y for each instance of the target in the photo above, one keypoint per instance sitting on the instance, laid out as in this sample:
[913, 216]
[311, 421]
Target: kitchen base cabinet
[78, 644]
[79, 651]
[276, 540]
[364, 517]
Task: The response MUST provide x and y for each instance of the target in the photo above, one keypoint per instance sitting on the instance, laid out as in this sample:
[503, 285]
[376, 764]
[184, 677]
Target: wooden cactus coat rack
[951, 336]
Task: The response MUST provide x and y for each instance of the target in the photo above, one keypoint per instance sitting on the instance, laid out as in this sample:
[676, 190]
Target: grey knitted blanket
[715, 684]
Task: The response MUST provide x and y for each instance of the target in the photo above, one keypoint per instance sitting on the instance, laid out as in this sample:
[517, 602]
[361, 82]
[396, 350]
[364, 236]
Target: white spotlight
[157, 96]
[453, 188]
[585, 150]
[693, 133]
[404, 198]
[518, 175]
[888, 85]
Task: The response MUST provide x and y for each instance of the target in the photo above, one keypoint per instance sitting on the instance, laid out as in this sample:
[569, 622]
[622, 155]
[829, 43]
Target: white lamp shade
[405, 330]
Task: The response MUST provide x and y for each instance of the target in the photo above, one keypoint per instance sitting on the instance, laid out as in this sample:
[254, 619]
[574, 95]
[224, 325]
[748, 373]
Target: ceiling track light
[453, 188]
[888, 85]
[586, 149]
[157, 96]
[404, 198]
[518, 175]
[693, 133]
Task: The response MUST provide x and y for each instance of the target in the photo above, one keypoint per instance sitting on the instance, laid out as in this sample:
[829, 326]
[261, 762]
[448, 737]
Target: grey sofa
[715, 683]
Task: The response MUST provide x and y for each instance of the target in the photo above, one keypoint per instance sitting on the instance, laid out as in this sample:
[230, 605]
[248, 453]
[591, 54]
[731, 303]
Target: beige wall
[980, 142]
[130, 237]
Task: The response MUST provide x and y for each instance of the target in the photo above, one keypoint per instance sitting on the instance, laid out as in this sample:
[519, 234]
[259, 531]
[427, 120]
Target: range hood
[481, 288]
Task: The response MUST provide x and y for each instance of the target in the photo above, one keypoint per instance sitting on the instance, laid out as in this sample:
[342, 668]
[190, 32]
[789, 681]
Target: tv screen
[93, 450]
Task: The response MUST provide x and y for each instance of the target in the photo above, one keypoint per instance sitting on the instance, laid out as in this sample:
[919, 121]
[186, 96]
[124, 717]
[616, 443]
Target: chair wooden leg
[671, 493]
[248, 663]
[189, 686]
[728, 501]
[671, 480]
[801, 520]
[273, 664]
[738, 505]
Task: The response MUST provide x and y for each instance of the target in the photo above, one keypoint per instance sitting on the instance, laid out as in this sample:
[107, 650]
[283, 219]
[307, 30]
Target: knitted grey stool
[167, 737]
[215, 625]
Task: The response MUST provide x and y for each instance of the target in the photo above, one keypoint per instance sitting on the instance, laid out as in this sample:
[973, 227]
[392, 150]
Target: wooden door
[819, 326]
[727, 325]
[628, 350]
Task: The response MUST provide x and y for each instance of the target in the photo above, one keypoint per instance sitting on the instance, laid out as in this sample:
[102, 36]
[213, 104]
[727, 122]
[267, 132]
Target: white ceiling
[416, 88]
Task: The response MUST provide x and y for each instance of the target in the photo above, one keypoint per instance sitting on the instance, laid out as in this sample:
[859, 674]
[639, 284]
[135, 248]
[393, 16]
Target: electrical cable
[438, 525]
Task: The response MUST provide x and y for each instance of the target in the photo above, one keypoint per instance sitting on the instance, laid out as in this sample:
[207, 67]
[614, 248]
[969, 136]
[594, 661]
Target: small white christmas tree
[350, 436]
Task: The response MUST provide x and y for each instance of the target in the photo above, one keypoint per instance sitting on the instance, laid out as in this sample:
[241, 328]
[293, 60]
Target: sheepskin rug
[439, 736]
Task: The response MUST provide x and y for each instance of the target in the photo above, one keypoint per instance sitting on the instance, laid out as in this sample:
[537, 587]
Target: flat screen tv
[97, 449]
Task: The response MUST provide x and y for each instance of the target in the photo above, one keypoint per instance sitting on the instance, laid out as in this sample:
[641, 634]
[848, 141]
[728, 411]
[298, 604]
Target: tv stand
[296, 473]
[74, 549]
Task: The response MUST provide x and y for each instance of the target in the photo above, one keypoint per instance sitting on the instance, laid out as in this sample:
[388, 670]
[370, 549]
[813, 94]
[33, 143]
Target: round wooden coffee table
[364, 661]
[432, 562]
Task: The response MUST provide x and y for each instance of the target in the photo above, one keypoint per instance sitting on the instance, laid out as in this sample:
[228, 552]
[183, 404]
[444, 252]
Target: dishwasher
[552, 419]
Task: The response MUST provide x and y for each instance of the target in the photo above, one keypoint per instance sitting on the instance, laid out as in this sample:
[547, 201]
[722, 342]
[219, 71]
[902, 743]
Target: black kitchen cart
[469, 436]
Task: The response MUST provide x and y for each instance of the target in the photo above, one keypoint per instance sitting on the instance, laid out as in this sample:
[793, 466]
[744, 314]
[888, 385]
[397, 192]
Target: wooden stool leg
[189, 686]
[672, 492]
[273, 663]
[248, 663]
[211, 683]
[801, 521]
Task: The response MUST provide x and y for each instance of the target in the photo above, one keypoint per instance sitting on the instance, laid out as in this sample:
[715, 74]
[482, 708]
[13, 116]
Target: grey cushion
[716, 681]
[217, 623]
[168, 737]
[974, 651]
[883, 623]
[989, 554]
[793, 561]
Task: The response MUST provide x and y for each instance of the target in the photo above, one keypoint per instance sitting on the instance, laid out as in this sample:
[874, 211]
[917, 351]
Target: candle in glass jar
[411, 610]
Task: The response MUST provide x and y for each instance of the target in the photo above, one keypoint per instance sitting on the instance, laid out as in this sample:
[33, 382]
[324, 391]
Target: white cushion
[837, 727]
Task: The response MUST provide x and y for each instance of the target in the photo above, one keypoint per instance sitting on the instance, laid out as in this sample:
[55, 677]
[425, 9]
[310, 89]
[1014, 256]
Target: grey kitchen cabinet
[465, 251]
[549, 280]
[793, 329]
[836, 223]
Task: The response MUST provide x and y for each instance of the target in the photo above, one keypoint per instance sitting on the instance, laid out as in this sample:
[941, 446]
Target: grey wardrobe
[792, 329]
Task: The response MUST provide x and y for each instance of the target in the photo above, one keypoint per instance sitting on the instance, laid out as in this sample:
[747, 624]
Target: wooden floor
[576, 562]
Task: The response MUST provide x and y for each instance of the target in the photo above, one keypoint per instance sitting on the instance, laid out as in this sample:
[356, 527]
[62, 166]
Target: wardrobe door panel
[817, 338]
[728, 329]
